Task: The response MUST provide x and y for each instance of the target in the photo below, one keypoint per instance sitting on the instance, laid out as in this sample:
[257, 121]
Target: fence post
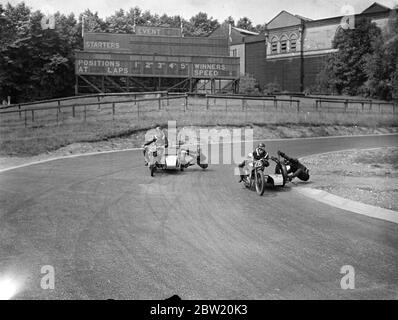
[73, 111]
[345, 105]
[57, 115]
[370, 105]
[113, 111]
[160, 103]
[298, 106]
[138, 109]
[85, 113]
[243, 104]
[290, 100]
[207, 103]
[99, 99]
[226, 105]
[25, 118]
[186, 102]
[275, 104]
[167, 94]
[20, 115]
[245, 113]
[33, 115]
[362, 104]
[316, 105]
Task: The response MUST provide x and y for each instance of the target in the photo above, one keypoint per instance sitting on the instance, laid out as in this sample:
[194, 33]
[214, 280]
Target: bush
[249, 85]
[271, 87]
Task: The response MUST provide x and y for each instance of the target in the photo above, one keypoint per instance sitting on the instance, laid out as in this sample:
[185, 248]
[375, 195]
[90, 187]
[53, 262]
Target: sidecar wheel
[280, 168]
[202, 165]
[152, 168]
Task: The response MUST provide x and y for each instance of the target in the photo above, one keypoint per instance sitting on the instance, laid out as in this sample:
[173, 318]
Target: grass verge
[368, 176]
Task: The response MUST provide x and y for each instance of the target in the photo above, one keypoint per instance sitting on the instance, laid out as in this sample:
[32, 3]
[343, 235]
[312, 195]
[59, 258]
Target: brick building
[293, 48]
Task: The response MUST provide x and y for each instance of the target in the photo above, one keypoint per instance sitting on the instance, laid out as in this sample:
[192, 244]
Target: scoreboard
[155, 52]
[158, 31]
[156, 41]
[124, 64]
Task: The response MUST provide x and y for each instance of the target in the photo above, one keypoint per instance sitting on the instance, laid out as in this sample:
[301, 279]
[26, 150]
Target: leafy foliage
[366, 62]
[245, 23]
[381, 67]
[201, 25]
[36, 63]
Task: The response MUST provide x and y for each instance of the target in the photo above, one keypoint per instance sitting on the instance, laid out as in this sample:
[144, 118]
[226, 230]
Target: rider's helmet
[261, 146]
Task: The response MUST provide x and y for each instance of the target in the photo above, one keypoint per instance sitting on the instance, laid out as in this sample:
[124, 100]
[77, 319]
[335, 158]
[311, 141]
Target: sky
[258, 11]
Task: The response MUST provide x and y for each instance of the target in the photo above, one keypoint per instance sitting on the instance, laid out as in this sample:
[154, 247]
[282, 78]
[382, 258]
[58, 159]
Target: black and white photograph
[198, 151]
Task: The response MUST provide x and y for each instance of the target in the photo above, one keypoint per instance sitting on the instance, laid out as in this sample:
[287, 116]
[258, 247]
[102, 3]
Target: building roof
[284, 19]
[375, 7]
[246, 32]
[303, 18]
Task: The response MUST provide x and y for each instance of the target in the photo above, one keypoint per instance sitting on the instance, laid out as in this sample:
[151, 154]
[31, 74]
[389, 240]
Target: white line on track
[349, 205]
[240, 141]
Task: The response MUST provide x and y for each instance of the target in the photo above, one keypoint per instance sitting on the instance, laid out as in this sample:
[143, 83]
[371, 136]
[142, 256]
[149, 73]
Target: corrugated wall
[312, 66]
[285, 72]
[255, 61]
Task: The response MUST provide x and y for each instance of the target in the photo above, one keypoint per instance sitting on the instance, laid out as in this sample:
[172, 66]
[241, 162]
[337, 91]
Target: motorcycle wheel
[259, 182]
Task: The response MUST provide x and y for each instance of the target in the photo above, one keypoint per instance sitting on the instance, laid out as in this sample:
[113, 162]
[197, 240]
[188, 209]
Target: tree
[261, 28]
[14, 23]
[245, 23]
[200, 25]
[381, 66]
[345, 69]
[230, 21]
[171, 21]
[120, 23]
[39, 63]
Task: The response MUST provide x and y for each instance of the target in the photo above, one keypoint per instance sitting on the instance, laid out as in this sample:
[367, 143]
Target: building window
[234, 52]
[283, 44]
[274, 45]
[293, 42]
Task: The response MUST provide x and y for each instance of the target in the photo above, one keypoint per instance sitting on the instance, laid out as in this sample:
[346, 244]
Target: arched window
[274, 45]
[293, 42]
[283, 44]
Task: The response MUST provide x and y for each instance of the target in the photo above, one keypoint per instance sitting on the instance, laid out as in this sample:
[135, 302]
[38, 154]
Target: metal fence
[82, 111]
[101, 107]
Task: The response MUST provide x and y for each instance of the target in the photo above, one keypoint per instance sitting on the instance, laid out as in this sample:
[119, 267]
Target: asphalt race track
[112, 231]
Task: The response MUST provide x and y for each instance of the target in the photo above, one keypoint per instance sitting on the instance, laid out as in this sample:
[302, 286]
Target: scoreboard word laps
[166, 66]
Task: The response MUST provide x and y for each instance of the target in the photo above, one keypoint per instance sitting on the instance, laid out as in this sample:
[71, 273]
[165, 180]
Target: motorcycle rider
[297, 169]
[258, 154]
[160, 138]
